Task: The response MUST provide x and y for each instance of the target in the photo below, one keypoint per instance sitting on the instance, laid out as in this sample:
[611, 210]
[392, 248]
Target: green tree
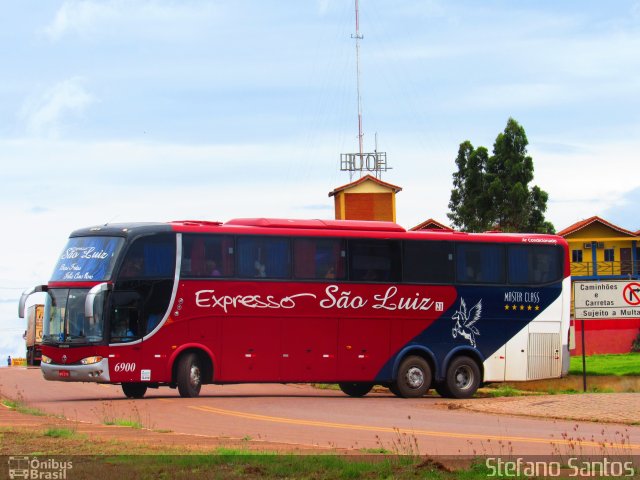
[468, 203]
[493, 192]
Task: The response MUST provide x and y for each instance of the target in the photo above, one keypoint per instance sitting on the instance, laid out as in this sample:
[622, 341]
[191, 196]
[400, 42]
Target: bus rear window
[87, 259]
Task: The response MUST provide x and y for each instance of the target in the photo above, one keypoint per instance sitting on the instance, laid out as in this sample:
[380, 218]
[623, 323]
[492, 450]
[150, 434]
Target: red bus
[356, 303]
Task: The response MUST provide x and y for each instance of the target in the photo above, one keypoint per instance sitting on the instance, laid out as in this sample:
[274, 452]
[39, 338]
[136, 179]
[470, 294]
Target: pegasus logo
[465, 321]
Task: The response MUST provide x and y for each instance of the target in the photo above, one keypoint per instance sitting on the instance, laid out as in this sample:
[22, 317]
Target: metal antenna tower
[358, 37]
[375, 162]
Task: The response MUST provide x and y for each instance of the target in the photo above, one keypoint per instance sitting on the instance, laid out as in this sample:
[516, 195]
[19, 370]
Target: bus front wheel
[189, 375]
[356, 389]
[134, 390]
[414, 377]
[463, 377]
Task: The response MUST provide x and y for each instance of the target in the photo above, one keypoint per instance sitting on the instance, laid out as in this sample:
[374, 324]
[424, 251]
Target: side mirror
[89, 303]
[25, 296]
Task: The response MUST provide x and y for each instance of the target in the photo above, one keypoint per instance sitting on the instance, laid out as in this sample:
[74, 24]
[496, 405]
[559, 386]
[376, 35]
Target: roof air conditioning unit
[600, 245]
[588, 245]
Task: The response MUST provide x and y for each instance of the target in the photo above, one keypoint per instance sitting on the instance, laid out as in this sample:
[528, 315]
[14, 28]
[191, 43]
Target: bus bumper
[96, 372]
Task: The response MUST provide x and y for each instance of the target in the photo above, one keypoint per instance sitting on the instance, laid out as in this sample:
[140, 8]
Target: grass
[609, 364]
[505, 391]
[123, 422]
[98, 459]
[21, 407]
[59, 433]
[108, 416]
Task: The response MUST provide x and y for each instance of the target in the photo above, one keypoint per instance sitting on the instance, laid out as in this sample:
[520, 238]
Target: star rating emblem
[521, 308]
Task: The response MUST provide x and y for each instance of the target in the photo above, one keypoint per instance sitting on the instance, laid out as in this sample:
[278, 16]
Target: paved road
[299, 414]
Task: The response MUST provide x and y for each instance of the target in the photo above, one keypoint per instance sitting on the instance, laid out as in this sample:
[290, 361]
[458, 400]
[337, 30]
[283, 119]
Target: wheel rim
[463, 377]
[194, 376]
[415, 377]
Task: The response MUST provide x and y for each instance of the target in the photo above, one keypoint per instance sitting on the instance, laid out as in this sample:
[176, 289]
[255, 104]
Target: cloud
[38, 209]
[45, 115]
[79, 17]
[624, 212]
[95, 19]
[323, 6]
[316, 207]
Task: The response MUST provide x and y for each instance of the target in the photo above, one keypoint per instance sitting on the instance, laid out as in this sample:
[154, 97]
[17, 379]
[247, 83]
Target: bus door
[140, 301]
[125, 336]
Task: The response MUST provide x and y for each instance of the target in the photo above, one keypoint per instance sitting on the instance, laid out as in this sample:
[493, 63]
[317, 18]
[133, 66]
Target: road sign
[606, 300]
[632, 293]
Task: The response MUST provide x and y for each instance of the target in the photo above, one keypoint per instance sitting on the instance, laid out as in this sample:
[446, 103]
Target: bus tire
[414, 377]
[189, 375]
[463, 377]
[356, 389]
[134, 390]
[394, 389]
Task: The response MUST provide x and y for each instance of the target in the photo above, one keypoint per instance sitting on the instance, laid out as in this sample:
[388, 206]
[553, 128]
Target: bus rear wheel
[189, 375]
[463, 377]
[134, 390]
[356, 389]
[414, 377]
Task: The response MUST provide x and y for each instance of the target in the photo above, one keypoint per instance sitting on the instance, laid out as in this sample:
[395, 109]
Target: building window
[609, 255]
[576, 256]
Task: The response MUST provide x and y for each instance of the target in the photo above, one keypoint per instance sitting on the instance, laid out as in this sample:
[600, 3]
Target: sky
[159, 110]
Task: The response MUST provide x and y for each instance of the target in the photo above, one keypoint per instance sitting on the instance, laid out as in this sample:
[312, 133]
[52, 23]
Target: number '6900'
[124, 367]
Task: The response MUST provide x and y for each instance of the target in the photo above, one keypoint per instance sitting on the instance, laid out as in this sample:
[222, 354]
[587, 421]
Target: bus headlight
[45, 359]
[91, 360]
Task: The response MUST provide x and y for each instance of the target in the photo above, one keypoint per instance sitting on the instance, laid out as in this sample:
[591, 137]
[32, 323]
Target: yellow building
[368, 198]
[602, 250]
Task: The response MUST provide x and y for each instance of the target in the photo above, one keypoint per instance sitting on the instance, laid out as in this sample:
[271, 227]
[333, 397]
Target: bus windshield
[67, 323]
[87, 259]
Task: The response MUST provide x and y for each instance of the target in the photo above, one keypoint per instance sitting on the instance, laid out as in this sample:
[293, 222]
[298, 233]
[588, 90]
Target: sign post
[595, 300]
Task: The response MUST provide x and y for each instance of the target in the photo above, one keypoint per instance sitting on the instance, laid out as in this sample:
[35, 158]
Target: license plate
[63, 373]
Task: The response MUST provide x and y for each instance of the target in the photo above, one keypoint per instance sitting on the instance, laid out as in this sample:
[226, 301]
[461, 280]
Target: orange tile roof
[431, 224]
[584, 223]
[395, 188]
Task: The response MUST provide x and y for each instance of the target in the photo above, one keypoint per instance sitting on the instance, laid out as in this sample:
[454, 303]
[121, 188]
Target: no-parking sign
[605, 300]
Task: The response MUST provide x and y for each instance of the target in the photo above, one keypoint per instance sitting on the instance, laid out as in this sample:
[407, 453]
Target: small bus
[264, 300]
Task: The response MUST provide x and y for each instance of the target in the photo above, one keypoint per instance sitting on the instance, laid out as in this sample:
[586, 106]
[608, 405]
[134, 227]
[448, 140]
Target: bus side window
[480, 263]
[428, 262]
[207, 256]
[263, 257]
[374, 260]
[534, 264]
[318, 258]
